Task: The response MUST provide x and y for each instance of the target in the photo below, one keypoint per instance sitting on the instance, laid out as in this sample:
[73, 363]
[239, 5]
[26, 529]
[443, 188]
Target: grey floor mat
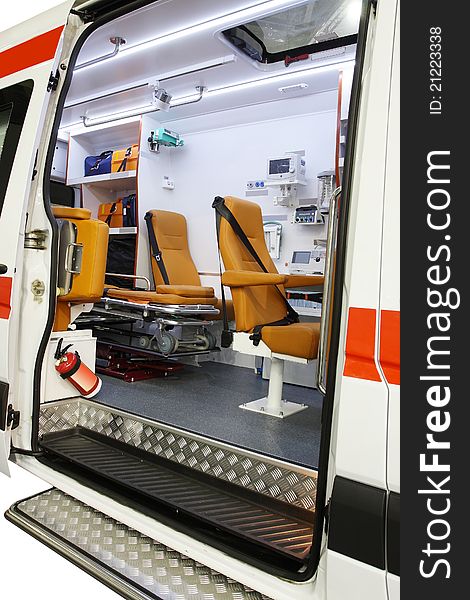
[206, 400]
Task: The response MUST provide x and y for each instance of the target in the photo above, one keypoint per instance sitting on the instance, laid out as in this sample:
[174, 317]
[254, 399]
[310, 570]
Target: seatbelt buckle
[226, 339]
[255, 337]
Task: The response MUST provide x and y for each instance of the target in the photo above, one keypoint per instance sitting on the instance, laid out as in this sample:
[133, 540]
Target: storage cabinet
[108, 187]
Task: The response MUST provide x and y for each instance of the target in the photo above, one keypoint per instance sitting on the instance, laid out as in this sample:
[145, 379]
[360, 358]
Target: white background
[27, 568]
[21, 10]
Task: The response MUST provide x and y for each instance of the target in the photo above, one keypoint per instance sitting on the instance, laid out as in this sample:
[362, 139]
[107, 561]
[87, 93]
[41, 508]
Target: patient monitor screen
[302, 258]
[279, 166]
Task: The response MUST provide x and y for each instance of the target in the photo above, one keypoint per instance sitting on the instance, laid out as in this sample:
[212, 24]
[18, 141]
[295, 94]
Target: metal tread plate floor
[133, 565]
[283, 530]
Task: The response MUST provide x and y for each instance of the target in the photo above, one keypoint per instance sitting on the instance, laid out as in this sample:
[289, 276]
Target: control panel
[307, 215]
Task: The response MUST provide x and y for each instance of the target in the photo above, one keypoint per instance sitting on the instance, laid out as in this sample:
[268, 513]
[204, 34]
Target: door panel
[28, 55]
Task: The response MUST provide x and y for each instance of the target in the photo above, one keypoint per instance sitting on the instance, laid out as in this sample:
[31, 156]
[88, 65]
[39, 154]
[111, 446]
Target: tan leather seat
[172, 235]
[171, 232]
[255, 298]
[87, 285]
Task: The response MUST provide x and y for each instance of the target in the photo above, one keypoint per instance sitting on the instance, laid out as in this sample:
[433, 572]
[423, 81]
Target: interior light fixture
[161, 99]
[293, 88]
[239, 16]
[192, 98]
[281, 77]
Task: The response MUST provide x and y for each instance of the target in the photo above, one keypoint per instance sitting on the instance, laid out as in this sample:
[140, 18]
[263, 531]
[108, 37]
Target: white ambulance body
[355, 550]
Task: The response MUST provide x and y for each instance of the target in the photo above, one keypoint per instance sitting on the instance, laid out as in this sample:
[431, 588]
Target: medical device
[272, 237]
[308, 262]
[326, 187]
[164, 137]
[308, 215]
[290, 167]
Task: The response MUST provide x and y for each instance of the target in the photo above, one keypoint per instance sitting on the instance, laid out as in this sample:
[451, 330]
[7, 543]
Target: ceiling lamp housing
[161, 99]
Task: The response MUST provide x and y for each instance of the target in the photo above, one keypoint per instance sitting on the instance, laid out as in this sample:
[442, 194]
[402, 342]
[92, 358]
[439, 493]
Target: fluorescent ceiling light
[239, 16]
[225, 90]
[266, 80]
[277, 78]
[293, 88]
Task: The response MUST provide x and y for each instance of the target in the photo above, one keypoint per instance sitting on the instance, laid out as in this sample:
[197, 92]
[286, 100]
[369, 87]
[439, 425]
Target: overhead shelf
[109, 181]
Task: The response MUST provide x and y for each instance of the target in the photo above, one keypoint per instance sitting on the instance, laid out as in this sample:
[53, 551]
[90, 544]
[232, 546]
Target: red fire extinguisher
[70, 366]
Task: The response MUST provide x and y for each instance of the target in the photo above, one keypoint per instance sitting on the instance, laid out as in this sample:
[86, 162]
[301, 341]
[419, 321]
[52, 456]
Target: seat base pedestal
[273, 404]
[286, 408]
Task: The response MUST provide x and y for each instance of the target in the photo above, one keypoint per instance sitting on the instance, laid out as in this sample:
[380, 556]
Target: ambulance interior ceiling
[183, 49]
[229, 134]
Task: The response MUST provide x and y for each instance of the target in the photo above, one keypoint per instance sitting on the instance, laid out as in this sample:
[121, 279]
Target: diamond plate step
[272, 525]
[130, 563]
[293, 484]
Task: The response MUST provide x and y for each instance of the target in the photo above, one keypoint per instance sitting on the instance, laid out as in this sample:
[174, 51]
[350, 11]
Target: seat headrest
[66, 212]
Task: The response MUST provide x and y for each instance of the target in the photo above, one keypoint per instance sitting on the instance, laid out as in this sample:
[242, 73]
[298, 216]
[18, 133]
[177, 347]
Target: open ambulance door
[29, 56]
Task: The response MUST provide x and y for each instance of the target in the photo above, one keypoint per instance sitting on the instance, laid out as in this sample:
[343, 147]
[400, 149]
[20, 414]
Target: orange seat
[83, 273]
[171, 232]
[298, 339]
[266, 325]
[255, 297]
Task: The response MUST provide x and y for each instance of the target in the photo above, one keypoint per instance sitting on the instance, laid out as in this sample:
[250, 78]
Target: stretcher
[171, 321]
[156, 326]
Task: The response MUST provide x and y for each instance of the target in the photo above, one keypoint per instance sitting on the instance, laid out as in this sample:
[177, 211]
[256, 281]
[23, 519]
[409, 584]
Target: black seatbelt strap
[227, 335]
[155, 250]
[223, 212]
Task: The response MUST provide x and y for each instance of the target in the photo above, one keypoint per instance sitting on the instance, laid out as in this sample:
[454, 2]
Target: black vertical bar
[4, 388]
[434, 232]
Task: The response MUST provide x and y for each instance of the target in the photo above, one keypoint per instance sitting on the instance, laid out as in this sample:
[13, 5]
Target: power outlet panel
[168, 184]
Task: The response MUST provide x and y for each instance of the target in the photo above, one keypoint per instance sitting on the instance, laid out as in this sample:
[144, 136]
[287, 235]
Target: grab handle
[330, 266]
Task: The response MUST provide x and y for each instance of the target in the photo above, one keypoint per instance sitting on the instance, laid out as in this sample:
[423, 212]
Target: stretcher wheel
[211, 339]
[167, 345]
[144, 341]
[203, 342]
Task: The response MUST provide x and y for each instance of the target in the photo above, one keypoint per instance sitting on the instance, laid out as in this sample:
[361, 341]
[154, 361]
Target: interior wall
[222, 152]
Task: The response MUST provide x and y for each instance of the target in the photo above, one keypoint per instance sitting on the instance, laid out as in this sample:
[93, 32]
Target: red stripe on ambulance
[5, 297]
[390, 345]
[32, 52]
[360, 345]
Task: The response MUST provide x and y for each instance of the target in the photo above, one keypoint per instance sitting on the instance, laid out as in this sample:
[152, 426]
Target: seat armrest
[295, 281]
[187, 291]
[249, 278]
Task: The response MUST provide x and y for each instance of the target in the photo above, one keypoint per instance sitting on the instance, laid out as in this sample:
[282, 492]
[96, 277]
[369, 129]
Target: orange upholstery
[249, 278]
[298, 339]
[145, 297]
[88, 285]
[172, 235]
[189, 291]
[66, 212]
[171, 232]
[295, 281]
[255, 303]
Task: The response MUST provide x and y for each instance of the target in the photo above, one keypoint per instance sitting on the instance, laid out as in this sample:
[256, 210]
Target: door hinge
[53, 81]
[85, 15]
[13, 419]
[36, 240]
